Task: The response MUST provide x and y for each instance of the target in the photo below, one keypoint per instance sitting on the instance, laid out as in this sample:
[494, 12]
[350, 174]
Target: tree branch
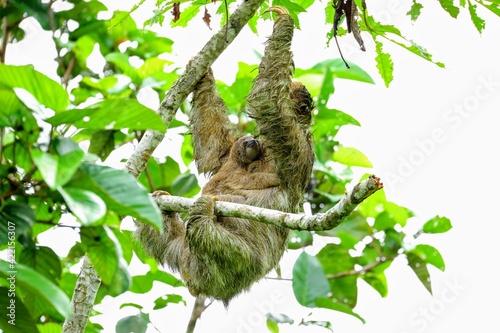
[198, 308]
[185, 84]
[136, 163]
[83, 298]
[322, 221]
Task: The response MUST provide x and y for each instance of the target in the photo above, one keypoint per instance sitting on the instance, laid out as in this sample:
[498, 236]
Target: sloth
[220, 257]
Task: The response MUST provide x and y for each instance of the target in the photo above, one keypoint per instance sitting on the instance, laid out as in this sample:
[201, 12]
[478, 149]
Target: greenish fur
[219, 256]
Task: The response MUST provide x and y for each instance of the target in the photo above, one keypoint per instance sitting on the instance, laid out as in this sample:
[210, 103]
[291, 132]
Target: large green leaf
[335, 259]
[44, 260]
[309, 281]
[57, 170]
[15, 317]
[15, 219]
[45, 90]
[32, 282]
[87, 206]
[103, 250]
[111, 114]
[120, 191]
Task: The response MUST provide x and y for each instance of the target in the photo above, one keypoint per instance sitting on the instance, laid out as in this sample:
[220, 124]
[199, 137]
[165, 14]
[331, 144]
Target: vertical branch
[198, 308]
[186, 83]
[151, 139]
[83, 299]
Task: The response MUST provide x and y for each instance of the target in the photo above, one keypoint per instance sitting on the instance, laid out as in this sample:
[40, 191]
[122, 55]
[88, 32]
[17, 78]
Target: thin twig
[198, 308]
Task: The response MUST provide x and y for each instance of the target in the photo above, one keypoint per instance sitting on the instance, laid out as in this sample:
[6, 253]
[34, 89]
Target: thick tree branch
[83, 298]
[185, 84]
[136, 163]
[322, 221]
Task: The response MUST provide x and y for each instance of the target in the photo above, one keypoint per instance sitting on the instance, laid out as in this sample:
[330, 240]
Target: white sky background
[446, 161]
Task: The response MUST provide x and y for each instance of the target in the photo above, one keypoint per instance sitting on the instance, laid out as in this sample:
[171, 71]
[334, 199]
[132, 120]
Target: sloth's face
[248, 149]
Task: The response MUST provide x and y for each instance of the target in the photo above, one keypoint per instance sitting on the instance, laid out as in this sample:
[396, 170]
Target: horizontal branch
[322, 221]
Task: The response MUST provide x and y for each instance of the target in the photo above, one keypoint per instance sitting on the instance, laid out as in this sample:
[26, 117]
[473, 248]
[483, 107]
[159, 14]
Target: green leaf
[299, 239]
[272, 326]
[33, 283]
[137, 324]
[57, 170]
[47, 165]
[37, 9]
[415, 10]
[111, 114]
[329, 121]
[340, 71]
[420, 268]
[450, 7]
[384, 64]
[122, 61]
[162, 175]
[430, 255]
[352, 230]
[377, 281]
[87, 206]
[151, 66]
[437, 225]
[327, 303]
[494, 6]
[351, 157]
[15, 317]
[478, 22]
[102, 143]
[44, 260]
[83, 48]
[10, 105]
[103, 250]
[15, 219]
[185, 185]
[52, 328]
[141, 284]
[120, 191]
[335, 259]
[309, 281]
[46, 91]
[384, 221]
[163, 301]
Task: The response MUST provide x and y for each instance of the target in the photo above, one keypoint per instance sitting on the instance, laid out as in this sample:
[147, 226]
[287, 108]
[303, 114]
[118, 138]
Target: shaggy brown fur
[219, 256]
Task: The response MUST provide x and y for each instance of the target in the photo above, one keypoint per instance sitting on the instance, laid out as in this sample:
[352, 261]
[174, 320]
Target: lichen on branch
[322, 221]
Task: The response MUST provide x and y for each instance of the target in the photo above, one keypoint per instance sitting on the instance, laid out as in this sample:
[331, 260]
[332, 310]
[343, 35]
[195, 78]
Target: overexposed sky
[433, 139]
